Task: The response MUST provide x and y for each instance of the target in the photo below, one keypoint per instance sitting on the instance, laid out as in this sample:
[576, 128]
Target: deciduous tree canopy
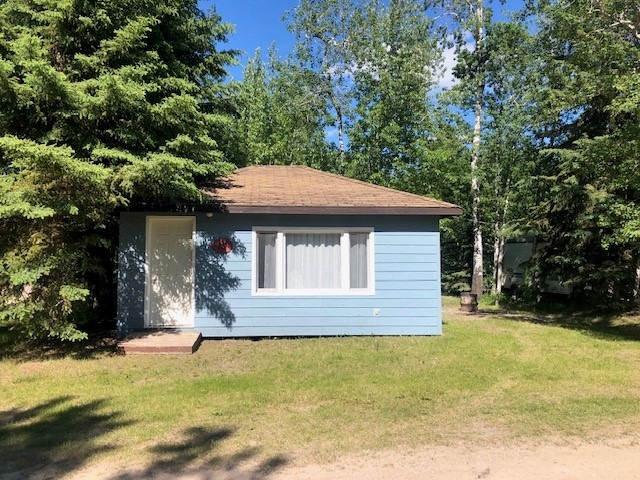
[538, 138]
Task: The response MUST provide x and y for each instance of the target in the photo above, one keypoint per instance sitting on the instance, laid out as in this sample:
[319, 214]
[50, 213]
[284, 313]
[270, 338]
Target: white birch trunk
[497, 270]
[636, 289]
[332, 99]
[498, 244]
[477, 275]
[340, 129]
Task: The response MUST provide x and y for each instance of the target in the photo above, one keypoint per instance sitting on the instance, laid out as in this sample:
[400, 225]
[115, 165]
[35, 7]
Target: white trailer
[514, 264]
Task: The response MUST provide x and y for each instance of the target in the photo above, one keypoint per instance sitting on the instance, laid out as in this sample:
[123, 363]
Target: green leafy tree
[376, 64]
[395, 64]
[508, 149]
[590, 99]
[281, 120]
[102, 105]
[323, 37]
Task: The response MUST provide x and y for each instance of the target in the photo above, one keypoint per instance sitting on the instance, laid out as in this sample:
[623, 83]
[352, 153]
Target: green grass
[493, 377]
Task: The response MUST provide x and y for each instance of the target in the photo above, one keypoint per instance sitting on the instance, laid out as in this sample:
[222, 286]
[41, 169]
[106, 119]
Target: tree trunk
[636, 289]
[498, 256]
[499, 240]
[332, 99]
[500, 261]
[339, 118]
[496, 235]
[477, 275]
[536, 280]
[340, 129]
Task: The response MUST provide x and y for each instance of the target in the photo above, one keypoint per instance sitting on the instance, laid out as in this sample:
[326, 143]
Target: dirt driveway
[617, 458]
[614, 459]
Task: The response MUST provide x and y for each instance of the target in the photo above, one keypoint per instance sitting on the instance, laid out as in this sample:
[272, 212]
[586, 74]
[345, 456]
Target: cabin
[285, 251]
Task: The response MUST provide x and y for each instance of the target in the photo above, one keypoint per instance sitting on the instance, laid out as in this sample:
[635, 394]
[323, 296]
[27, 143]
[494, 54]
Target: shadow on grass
[54, 438]
[14, 347]
[61, 436]
[605, 325]
[194, 454]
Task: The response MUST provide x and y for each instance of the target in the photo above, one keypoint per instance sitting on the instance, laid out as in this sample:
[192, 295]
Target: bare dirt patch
[551, 459]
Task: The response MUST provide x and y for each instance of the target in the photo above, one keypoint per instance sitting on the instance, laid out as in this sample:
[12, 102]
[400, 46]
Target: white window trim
[281, 291]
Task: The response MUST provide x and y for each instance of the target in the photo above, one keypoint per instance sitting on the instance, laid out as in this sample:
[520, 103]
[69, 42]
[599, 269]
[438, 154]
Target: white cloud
[447, 80]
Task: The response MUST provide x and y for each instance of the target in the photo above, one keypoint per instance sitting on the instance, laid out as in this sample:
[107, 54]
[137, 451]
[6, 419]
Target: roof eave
[335, 210]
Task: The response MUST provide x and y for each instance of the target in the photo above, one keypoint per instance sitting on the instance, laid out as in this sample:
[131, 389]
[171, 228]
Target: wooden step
[161, 342]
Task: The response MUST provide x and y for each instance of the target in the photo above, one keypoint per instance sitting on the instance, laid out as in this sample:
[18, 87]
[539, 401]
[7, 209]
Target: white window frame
[345, 263]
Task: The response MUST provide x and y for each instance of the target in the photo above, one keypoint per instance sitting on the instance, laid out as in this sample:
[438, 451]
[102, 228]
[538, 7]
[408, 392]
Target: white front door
[170, 272]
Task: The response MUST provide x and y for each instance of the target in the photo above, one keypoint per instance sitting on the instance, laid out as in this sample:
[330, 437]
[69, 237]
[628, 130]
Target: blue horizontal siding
[384, 291]
[424, 254]
[401, 251]
[399, 272]
[406, 239]
[401, 286]
[285, 321]
[314, 331]
[324, 302]
[418, 266]
[407, 281]
[331, 312]
[407, 276]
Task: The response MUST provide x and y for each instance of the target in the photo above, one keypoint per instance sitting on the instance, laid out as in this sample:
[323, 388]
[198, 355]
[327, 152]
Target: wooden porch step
[161, 342]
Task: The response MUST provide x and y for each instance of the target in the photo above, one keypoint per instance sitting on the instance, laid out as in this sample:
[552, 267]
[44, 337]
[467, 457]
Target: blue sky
[257, 23]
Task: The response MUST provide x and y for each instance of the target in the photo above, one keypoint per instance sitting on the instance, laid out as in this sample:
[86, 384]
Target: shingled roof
[291, 189]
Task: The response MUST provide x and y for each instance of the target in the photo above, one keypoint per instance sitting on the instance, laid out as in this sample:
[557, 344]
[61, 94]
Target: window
[313, 262]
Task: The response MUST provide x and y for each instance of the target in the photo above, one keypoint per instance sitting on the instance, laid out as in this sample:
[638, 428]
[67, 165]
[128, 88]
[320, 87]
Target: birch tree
[321, 29]
[281, 120]
[395, 64]
[508, 149]
[463, 25]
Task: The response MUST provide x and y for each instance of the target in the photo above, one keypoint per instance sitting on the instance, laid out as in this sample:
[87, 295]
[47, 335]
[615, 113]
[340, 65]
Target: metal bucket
[469, 302]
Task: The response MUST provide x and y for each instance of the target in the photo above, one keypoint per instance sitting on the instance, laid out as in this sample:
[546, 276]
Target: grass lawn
[495, 377]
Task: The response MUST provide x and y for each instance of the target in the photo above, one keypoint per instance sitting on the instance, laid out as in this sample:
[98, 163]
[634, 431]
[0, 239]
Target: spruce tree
[590, 213]
[103, 105]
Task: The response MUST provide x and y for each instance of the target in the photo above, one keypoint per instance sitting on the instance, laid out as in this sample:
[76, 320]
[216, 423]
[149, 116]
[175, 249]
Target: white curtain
[358, 260]
[313, 260]
[267, 260]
